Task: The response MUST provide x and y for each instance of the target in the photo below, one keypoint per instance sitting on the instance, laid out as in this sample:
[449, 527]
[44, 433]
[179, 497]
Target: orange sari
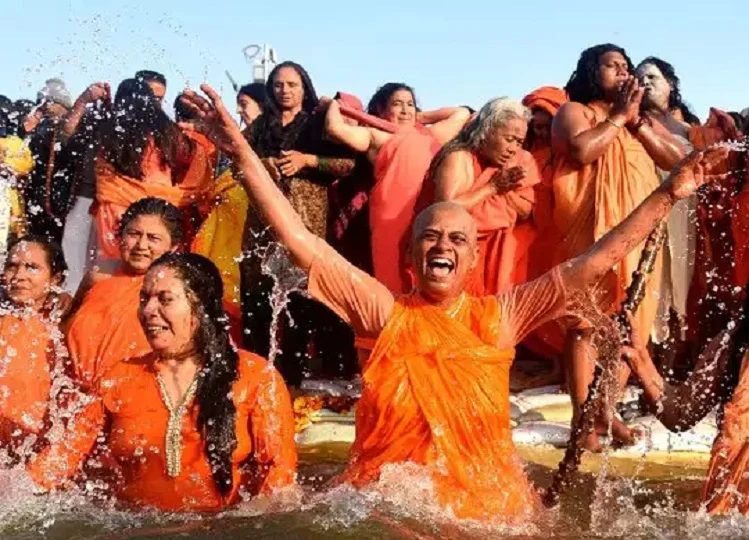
[115, 191]
[436, 393]
[130, 407]
[399, 172]
[727, 484]
[503, 247]
[590, 200]
[105, 330]
[25, 377]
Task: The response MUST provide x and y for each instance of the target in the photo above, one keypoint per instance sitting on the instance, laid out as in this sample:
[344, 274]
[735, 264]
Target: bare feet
[622, 436]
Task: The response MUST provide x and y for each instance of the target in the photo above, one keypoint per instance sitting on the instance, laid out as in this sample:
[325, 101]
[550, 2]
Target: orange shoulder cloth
[436, 393]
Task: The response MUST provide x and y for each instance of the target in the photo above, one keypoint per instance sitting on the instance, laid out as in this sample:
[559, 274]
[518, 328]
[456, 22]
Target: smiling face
[288, 90]
[27, 276]
[657, 88]
[443, 251]
[503, 143]
[144, 240]
[613, 70]
[166, 312]
[400, 108]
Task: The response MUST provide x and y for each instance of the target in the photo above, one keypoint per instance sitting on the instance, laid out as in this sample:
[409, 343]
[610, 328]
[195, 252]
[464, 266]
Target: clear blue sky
[459, 52]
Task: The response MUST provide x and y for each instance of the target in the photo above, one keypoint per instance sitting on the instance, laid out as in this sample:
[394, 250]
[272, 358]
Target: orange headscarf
[548, 98]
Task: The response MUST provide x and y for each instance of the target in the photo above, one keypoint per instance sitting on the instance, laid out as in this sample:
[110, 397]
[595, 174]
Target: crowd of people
[142, 271]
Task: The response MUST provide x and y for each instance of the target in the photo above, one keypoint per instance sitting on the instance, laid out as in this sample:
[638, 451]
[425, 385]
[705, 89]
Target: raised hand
[694, 171]
[214, 121]
[505, 181]
[628, 100]
[99, 91]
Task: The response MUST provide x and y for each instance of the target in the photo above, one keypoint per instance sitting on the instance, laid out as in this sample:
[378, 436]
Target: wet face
[248, 109]
[443, 251]
[541, 126]
[166, 312]
[400, 108]
[657, 88]
[144, 240]
[613, 70]
[158, 89]
[503, 143]
[288, 90]
[27, 276]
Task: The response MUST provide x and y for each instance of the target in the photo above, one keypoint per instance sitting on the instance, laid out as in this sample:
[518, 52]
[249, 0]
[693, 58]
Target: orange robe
[106, 330]
[452, 415]
[28, 357]
[130, 411]
[436, 385]
[399, 172]
[590, 200]
[727, 484]
[503, 247]
[115, 192]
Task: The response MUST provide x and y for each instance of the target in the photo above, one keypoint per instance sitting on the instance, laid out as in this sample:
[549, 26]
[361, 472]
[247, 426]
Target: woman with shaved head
[436, 375]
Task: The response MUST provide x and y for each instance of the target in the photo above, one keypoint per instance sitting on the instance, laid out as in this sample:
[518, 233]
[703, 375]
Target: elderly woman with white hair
[486, 170]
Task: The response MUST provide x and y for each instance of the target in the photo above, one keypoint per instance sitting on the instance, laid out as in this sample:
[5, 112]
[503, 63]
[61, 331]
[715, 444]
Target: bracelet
[322, 164]
[610, 121]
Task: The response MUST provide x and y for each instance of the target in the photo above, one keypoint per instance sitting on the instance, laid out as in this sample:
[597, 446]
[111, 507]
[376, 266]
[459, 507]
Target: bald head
[448, 214]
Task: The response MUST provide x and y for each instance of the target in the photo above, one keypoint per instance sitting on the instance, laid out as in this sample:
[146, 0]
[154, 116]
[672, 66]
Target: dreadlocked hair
[583, 86]
[220, 361]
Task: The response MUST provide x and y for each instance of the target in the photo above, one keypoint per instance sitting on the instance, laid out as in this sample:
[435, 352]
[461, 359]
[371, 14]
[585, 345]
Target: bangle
[610, 121]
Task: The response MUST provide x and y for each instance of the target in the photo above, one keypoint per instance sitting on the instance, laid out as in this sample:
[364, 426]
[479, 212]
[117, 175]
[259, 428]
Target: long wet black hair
[135, 118]
[220, 361]
[379, 100]
[675, 100]
[152, 206]
[583, 86]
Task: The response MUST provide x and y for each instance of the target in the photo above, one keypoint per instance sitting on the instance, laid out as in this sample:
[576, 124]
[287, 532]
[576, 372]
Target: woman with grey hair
[485, 169]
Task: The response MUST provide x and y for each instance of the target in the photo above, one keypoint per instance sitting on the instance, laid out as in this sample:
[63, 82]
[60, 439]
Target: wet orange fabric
[27, 357]
[727, 484]
[115, 192]
[436, 393]
[503, 247]
[130, 411]
[105, 330]
[399, 170]
[548, 98]
[590, 200]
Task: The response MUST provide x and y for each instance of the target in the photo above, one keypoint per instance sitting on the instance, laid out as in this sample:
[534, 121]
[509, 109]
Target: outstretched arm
[358, 138]
[587, 269]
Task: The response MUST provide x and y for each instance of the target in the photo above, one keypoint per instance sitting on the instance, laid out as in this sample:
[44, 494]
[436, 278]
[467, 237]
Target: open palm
[695, 170]
[214, 120]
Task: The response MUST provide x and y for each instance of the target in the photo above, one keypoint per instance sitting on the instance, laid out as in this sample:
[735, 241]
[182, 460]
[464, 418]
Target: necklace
[174, 425]
[455, 309]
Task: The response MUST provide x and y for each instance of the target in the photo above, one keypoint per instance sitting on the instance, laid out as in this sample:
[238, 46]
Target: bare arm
[454, 178]
[587, 269]
[680, 407]
[522, 206]
[445, 123]
[663, 147]
[97, 92]
[356, 137]
[572, 134]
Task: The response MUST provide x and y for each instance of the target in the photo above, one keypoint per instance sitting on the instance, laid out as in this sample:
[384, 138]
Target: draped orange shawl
[436, 393]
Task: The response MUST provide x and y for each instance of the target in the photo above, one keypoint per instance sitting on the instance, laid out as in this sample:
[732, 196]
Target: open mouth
[440, 267]
[153, 330]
